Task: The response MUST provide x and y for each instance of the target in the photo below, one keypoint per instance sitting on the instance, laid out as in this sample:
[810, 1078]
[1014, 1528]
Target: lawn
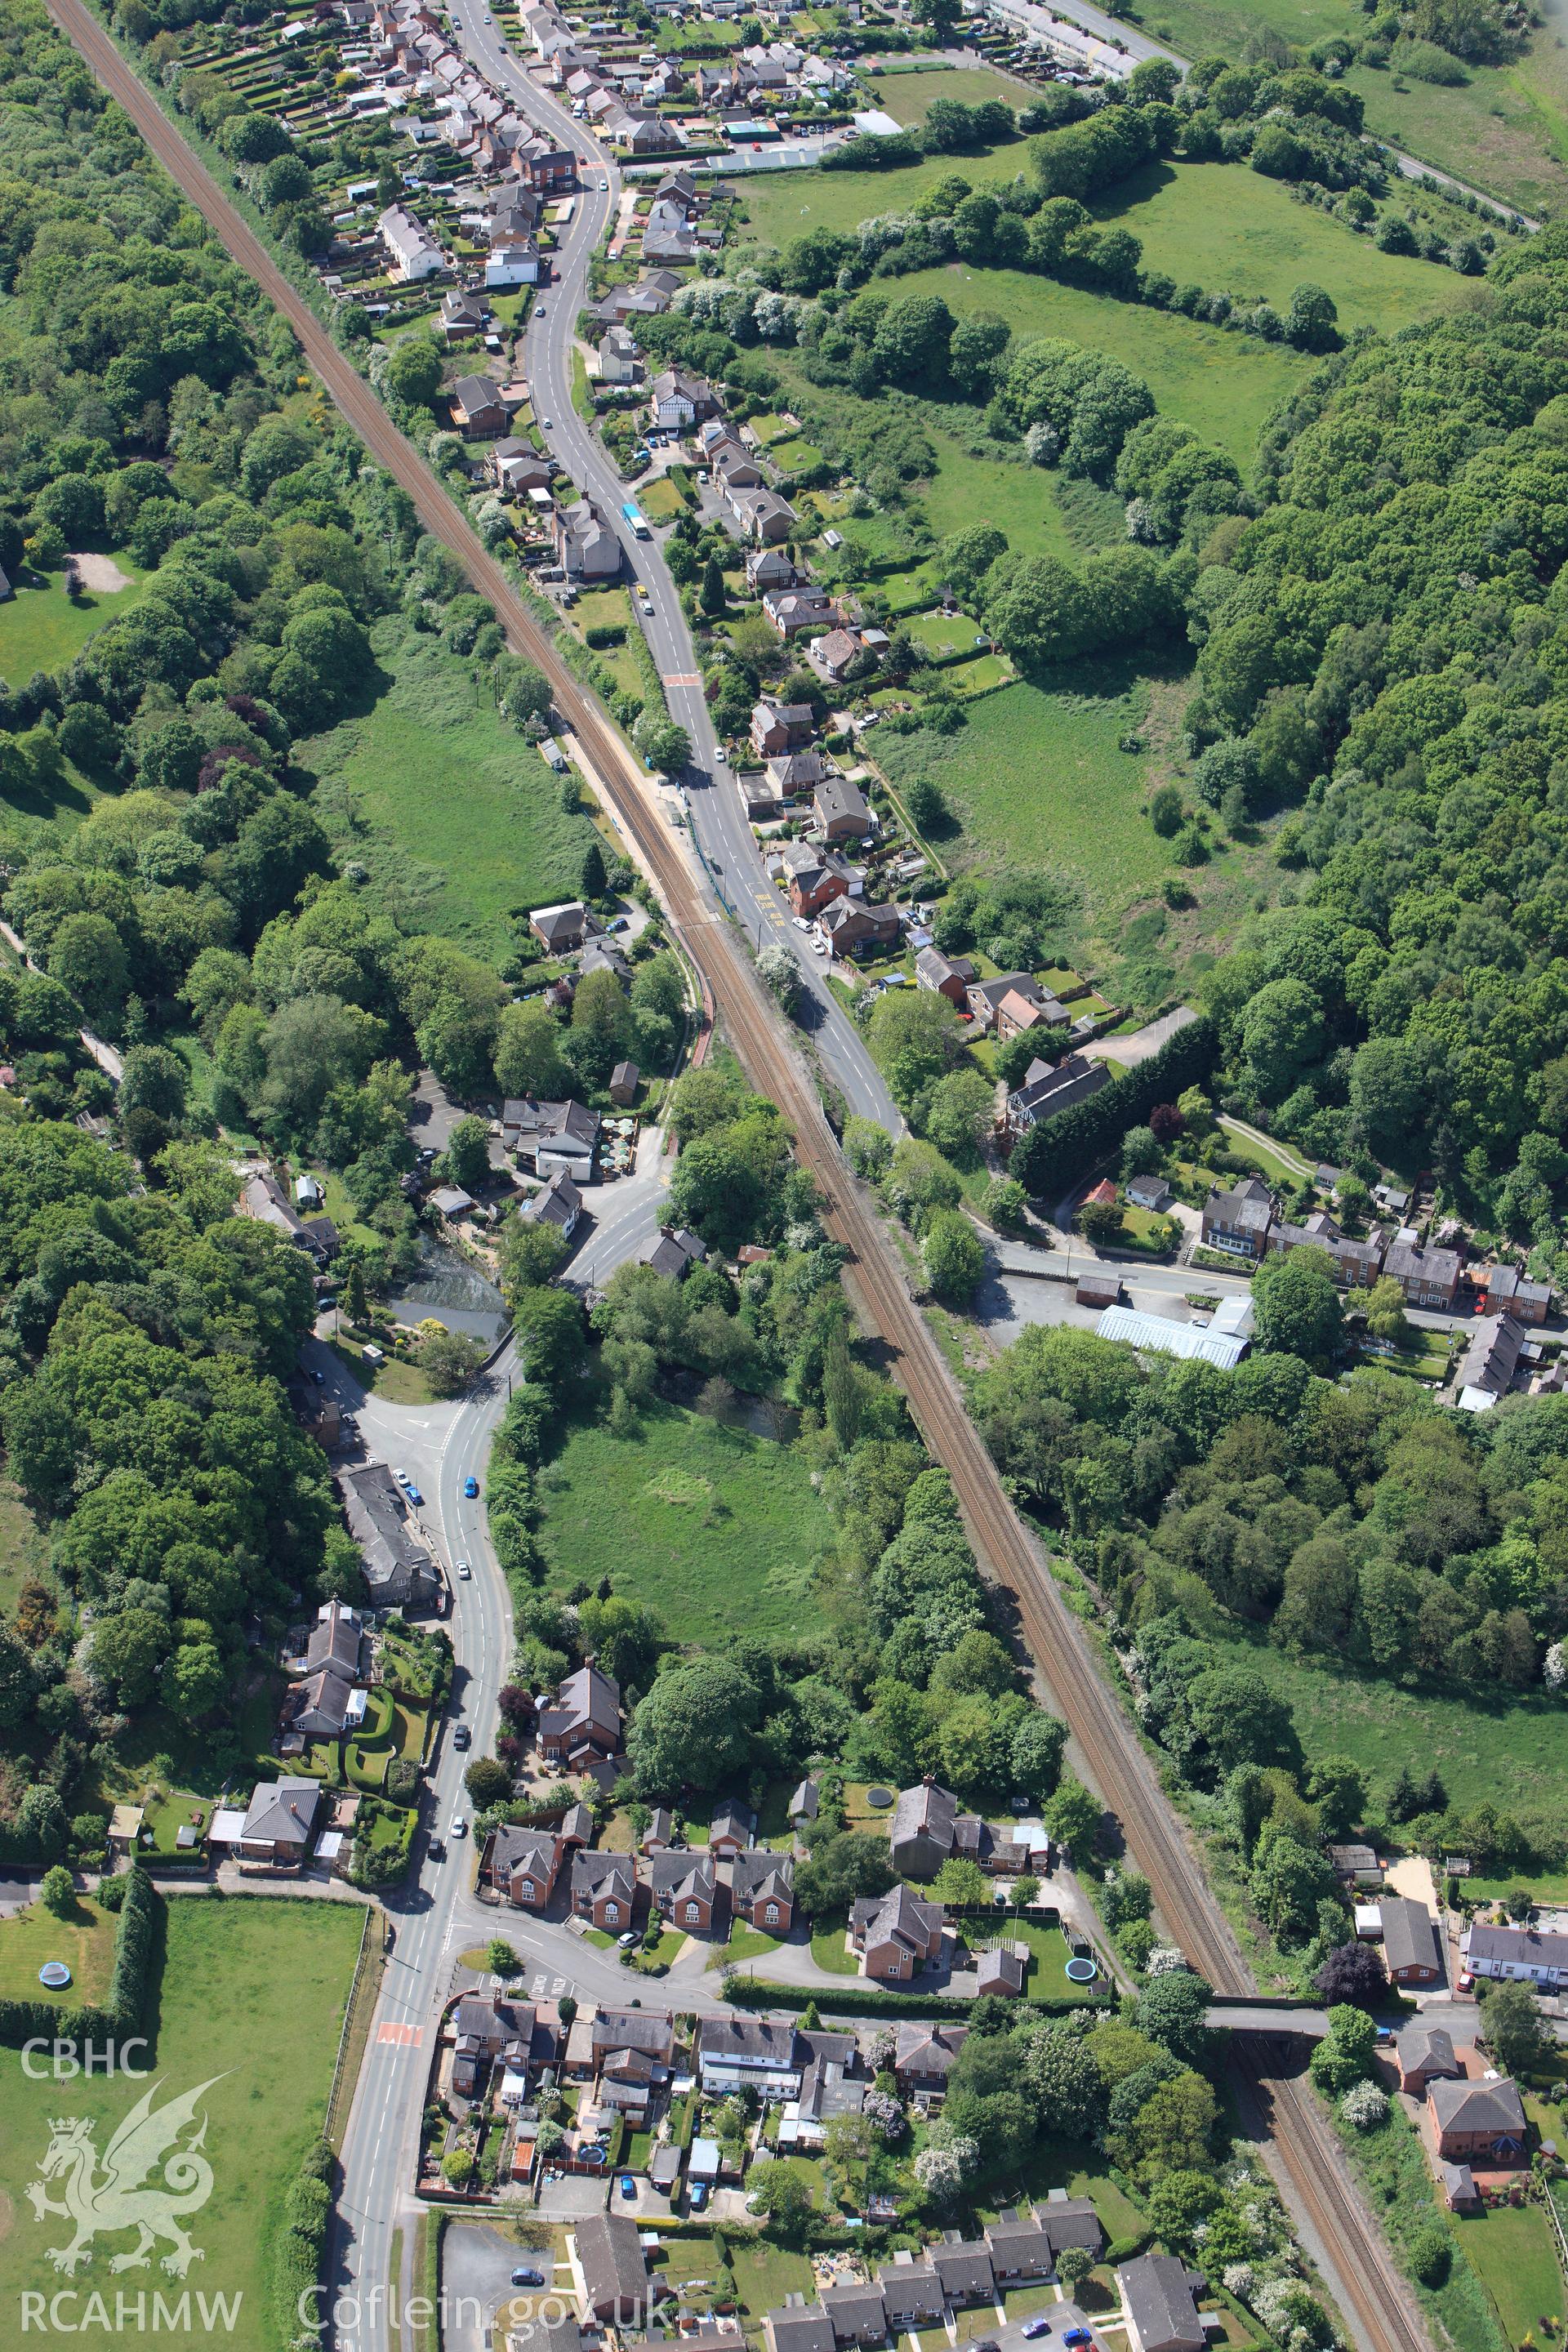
[829, 1951]
[1223, 384]
[84, 1940]
[779, 206]
[1047, 1979]
[1224, 226]
[42, 628]
[1508, 1752]
[745, 1944]
[765, 2275]
[908, 97]
[707, 1522]
[943, 633]
[457, 816]
[284, 1969]
[1037, 779]
[1512, 2253]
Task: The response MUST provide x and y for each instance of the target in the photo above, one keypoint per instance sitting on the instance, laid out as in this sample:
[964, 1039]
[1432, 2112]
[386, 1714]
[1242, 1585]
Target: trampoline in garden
[55, 1975]
[1081, 1971]
[880, 1799]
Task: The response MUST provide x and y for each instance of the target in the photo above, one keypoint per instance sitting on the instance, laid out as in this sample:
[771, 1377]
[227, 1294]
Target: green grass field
[778, 205]
[907, 96]
[1223, 226]
[708, 1525]
[252, 1994]
[1508, 1753]
[1511, 2250]
[1037, 779]
[1022, 497]
[457, 816]
[41, 628]
[1504, 130]
[1222, 385]
[84, 1940]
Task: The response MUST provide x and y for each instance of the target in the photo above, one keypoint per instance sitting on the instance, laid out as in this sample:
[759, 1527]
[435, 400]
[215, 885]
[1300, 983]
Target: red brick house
[762, 1890]
[604, 1890]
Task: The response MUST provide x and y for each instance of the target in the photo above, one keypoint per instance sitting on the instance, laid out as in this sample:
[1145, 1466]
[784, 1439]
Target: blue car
[628, 2189]
[698, 2196]
[471, 1487]
[416, 1497]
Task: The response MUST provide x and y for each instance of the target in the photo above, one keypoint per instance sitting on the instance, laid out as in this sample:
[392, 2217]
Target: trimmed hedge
[134, 1951]
[1051, 1156]
[298, 2248]
[861, 1999]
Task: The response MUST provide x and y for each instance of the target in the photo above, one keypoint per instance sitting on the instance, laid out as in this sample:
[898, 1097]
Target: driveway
[574, 2198]
[1144, 1043]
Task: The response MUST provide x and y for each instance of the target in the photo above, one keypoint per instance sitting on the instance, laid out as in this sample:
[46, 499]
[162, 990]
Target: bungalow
[851, 926]
[734, 467]
[840, 809]
[585, 546]
[1238, 1223]
[1482, 2120]
[927, 1828]
[762, 1890]
[517, 467]
[1161, 2309]
[522, 1864]
[896, 1934]
[324, 1706]
[685, 1888]
[608, 2258]
[584, 1721]
[767, 568]
[949, 976]
[736, 2053]
[761, 516]
[412, 251]
[778, 727]
[731, 1828]
[1151, 1193]
[476, 406]
[604, 1890]
[560, 1204]
[923, 2057]
[1425, 2053]
[1524, 1953]
[280, 1821]
[674, 1253]
[335, 1641]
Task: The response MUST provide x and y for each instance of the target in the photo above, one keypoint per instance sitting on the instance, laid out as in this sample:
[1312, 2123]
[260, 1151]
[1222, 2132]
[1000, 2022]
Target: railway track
[1372, 2293]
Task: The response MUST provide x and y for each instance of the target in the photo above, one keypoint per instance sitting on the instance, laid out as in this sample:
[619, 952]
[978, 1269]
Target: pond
[447, 1286]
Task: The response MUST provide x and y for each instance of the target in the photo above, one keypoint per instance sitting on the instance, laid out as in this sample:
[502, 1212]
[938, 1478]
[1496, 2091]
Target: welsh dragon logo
[121, 2196]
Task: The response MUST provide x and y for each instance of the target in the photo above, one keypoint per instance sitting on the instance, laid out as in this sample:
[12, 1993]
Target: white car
[800, 922]
[720, 758]
[464, 1570]
[402, 1477]
[459, 1826]
[819, 947]
[628, 1939]
[538, 310]
[604, 187]
[547, 423]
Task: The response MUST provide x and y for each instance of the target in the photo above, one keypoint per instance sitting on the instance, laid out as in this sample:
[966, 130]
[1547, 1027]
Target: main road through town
[1360, 2272]
[717, 816]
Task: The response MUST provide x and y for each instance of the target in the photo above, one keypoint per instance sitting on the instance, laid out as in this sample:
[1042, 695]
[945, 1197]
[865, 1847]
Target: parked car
[402, 1477]
[1034, 2328]
[471, 1487]
[698, 2196]
[628, 2189]
[462, 1737]
[800, 922]
[628, 1939]
[527, 2278]
[437, 1851]
[414, 1496]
